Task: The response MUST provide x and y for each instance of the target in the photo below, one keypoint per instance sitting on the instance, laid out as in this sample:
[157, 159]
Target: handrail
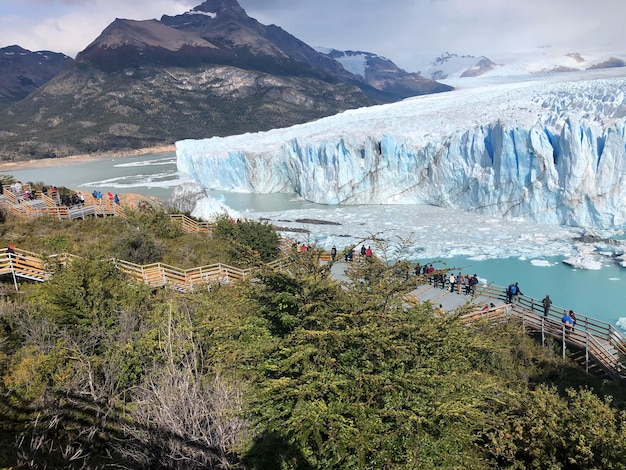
[600, 328]
[51, 206]
[590, 333]
[190, 225]
[32, 266]
[594, 335]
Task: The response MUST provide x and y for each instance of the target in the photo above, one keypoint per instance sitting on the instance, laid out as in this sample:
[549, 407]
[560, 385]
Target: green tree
[365, 388]
[574, 430]
[251, 239]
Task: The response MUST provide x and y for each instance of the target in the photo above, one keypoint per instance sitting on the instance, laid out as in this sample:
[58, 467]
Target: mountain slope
[212, 71]
[23, 71]
[449, 65]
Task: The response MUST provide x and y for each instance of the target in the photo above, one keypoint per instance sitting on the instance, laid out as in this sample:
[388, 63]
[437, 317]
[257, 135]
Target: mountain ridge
[23, 71]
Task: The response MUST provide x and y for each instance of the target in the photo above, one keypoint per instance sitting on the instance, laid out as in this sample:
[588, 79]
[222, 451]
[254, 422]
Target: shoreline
[52, 162]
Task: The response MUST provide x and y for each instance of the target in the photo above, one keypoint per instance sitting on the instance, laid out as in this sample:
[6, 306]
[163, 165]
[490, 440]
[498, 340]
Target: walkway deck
[601, 342]
[49, 205]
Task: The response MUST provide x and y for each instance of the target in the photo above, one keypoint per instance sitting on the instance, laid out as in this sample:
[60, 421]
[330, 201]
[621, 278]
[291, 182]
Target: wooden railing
[23, 264]
[191, 226]
[48, 205]
[159, 274]
[601, 340]
[29, 265]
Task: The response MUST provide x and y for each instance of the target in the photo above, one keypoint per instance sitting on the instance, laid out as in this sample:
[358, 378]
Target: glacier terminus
[548, 148]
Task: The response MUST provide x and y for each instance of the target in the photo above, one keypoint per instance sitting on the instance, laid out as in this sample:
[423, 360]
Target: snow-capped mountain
[382, 74]
[543, 60]
[453, 66]
[551, 150]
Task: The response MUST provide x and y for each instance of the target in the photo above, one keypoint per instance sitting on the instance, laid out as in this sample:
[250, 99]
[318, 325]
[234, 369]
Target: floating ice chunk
[583, 262]
[621, 324]
[541, 262]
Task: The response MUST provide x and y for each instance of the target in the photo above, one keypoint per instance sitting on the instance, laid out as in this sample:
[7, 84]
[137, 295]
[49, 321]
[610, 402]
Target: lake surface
[500, 252]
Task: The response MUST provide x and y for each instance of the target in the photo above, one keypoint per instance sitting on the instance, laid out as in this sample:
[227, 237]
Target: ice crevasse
[550, 150]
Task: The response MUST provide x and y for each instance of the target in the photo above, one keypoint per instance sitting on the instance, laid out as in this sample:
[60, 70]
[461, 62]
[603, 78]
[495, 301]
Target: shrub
[260, 237]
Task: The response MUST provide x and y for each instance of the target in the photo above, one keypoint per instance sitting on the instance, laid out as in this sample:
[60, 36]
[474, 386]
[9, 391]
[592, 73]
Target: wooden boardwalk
[601, 343]
[49, 205]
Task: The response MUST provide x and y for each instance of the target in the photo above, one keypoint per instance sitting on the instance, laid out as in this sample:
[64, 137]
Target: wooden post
[13, 271]
[586, 351]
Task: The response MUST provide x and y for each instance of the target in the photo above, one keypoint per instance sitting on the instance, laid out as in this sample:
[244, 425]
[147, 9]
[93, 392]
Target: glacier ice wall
[550, 150]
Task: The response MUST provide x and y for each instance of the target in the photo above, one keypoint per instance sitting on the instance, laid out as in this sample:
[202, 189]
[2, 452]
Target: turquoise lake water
[600, 294]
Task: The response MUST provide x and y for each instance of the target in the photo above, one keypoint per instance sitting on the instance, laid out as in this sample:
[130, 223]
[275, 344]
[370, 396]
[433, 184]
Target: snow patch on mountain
[449, 65]
[355, 62]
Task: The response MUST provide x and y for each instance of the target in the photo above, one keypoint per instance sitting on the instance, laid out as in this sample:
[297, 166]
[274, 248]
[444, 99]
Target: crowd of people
[24, 193]
[97, 195]
[462, 284]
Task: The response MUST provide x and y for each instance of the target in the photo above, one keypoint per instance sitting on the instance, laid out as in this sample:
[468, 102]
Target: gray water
[151, 175]
[600, 294]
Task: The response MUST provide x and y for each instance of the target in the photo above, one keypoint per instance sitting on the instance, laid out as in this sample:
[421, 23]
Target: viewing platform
[49, 204]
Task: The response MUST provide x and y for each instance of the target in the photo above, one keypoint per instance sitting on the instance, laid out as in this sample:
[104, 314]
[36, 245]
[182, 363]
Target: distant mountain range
[545, 60]
[382, 73]
[211, 71]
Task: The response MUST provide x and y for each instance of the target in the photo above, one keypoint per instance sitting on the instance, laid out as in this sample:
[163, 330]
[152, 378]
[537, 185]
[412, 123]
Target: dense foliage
[289, 370]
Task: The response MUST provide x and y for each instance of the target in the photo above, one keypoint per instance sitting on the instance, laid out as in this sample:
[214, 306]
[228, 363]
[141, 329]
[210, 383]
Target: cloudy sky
[398, 29]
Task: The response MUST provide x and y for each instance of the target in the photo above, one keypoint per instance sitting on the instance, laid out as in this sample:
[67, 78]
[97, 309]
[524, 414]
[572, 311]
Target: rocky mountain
[23, 71]
[384, 75]
[211, 71]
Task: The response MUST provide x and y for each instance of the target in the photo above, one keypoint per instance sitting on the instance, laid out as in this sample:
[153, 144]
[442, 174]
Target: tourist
[333, 253]
[517, 293]
[418, 269]
[546, 302]
[510, 292]
[17, 188]
[460, 281]
[568, 321]
[452, 280]
[573, 317]
[472, 284]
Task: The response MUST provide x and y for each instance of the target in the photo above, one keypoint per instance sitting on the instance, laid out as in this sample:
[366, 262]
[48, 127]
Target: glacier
[549, 149]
